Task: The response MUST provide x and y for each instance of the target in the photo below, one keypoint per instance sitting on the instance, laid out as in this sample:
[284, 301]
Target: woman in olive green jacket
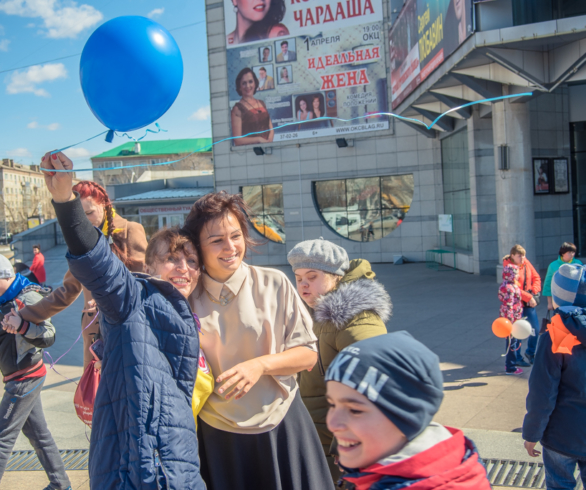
[347, 305]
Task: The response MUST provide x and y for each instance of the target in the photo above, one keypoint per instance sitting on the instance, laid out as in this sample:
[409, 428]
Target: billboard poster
[423, 36]
[292, 62]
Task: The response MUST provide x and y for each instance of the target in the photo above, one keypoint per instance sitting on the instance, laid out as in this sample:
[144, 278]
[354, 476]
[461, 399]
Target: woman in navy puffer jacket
[143, 427]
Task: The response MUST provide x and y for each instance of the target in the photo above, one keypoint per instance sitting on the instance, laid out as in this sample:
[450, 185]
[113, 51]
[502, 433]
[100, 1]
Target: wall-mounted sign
[551, 175]
[423, 36]
[297, 61]
[164, 209]
[446, 222]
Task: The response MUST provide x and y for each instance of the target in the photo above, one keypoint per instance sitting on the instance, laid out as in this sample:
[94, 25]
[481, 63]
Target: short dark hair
[567, 247]
[262, 68]
[284, 43]
[214, 206]
[266, 48]
[240, 76]
[36, 245]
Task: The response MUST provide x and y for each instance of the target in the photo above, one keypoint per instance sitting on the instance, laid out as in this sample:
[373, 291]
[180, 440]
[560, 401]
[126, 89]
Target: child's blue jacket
[556, 403]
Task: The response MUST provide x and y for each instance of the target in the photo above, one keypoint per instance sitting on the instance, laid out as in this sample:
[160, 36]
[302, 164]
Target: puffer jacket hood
[510, 273]
[357, 292]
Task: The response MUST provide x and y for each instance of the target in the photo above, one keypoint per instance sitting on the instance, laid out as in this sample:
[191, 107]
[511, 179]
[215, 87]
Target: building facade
[146, 161]
[25, 200]
[507, 170]
[159, 203]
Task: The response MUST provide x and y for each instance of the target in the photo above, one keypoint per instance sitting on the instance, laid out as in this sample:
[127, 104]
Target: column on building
[514, 187]
[482, 193]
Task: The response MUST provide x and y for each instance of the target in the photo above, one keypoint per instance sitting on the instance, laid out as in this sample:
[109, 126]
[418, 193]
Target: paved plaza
[449, 311]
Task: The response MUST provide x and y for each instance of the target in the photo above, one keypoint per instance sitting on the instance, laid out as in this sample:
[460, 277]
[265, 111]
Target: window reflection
[267, 212]
[364, 209]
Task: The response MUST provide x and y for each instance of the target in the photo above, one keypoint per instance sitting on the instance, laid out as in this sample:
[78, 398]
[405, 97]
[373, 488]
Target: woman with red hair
[127, 240]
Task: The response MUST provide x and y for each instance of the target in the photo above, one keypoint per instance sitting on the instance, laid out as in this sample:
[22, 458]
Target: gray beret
[321, 255]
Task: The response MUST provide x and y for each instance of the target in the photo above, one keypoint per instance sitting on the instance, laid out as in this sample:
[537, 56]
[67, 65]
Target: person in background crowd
[347, 305]
[143, 430]
[383, 393]
[556, 403]
[565, 256]
[511, 309]
[266, 55]
[530, 284]
[38, 265]
[127, 240]
[254, 430]
[21, 363]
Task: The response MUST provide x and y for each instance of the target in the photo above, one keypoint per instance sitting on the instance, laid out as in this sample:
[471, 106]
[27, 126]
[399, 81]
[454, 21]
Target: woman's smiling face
[180, 268]
[253, 10]
[223, 247]
[247, 85]
[303, 105]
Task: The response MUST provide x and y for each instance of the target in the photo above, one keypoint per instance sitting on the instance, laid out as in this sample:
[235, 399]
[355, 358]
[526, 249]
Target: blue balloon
[131, 72]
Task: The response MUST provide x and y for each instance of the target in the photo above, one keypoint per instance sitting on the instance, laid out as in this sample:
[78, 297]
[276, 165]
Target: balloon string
[296, 123]
[52, 365]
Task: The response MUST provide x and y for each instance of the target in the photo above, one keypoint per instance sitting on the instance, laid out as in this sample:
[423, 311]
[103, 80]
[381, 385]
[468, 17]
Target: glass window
[150, 224]
[456, 177]
[267, 214]
[364, 209]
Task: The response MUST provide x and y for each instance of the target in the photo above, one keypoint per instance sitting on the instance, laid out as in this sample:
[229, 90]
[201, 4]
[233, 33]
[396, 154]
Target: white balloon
[521, 329]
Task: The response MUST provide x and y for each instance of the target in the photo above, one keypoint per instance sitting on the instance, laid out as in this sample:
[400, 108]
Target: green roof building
[194, 155]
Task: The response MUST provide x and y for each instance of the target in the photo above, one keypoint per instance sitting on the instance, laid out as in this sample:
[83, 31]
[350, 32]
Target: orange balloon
[502, 327]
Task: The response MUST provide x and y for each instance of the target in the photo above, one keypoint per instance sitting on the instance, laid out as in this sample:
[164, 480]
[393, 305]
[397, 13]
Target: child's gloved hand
[12, 322]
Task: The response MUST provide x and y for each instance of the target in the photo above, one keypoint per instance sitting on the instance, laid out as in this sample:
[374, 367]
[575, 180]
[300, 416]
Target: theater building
[302, 94]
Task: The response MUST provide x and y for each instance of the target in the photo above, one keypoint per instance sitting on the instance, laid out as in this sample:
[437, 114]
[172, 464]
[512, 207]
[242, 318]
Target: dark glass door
[578, 148]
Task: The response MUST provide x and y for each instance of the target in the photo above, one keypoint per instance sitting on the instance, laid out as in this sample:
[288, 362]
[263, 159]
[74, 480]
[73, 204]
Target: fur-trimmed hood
[351, 299]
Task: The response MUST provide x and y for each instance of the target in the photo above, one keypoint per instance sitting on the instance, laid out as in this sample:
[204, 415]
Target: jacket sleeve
[91, 261]
[548, 277]
[364, 326]
[36, 263]
[535, 280]
[40, 334]
[115, 290]
[137, 244]
[57, 301]
[543, 389]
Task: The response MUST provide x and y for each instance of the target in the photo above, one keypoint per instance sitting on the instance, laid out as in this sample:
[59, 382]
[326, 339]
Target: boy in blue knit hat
[383, 393]
[556, 403]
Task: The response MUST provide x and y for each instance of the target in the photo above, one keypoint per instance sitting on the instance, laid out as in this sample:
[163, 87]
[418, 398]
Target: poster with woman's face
[330, 53]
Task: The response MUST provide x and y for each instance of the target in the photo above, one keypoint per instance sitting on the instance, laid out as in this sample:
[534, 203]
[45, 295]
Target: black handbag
[545, 322]
[536, 297]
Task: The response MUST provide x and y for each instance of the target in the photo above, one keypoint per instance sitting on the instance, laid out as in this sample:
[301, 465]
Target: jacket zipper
[159, 463]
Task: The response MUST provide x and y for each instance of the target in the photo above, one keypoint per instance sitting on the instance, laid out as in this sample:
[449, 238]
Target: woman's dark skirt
[289, 457]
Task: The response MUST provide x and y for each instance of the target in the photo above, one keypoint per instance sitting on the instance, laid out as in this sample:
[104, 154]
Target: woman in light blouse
[254, 430]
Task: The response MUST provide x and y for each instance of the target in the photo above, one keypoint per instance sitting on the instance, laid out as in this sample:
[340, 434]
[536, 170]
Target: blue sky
[42, 106]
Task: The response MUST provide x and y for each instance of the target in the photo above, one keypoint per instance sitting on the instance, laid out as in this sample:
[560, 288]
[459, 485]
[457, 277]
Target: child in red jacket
[383, 393]
[38, 265]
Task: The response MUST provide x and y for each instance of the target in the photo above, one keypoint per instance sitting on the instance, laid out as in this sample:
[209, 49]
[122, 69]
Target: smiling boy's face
[364, 434]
